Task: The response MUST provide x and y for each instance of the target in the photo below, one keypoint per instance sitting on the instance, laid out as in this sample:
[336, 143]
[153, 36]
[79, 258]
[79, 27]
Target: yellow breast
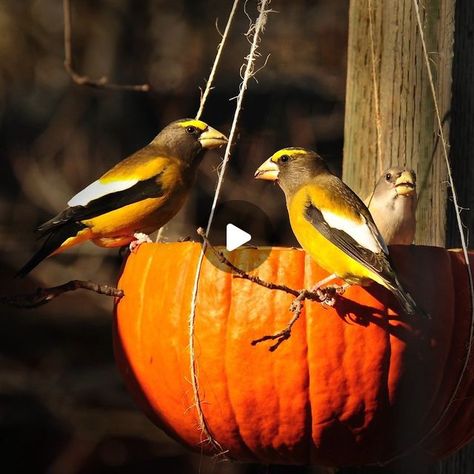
[326, 254]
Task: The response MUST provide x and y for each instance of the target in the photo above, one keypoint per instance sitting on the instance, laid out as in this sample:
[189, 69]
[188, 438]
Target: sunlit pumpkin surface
[355, 384]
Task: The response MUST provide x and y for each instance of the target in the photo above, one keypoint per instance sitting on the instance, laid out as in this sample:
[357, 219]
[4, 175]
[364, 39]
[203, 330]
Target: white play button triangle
[235, 237]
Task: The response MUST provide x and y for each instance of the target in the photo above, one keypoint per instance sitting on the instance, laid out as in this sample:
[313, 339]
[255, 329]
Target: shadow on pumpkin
[409, 329]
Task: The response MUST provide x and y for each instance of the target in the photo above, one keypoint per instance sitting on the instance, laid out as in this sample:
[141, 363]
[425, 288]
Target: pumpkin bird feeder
[356, 383]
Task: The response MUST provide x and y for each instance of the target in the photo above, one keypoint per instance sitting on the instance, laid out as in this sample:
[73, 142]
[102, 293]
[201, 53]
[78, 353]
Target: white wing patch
[97, 189]
[359, 231]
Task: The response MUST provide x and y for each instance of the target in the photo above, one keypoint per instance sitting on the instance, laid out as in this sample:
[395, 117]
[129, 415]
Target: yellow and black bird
[137, 196]
[393, 205]
[331, 223]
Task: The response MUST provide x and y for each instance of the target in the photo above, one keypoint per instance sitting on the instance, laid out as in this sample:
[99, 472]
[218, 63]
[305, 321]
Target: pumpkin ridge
[230, 288]
[141, 291]
[299, 257]
[451, 307]
[275, 269]
[299, 266]
[377, 362]
[304, 321]
[387, 359]
[432, 429]
[309, 408]
[252, 446]
[430, 423]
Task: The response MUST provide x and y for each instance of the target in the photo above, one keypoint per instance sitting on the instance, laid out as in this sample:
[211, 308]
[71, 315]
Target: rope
[457, 208]
[210, 81]
[378, 119]
[220, 48]
[254, 32]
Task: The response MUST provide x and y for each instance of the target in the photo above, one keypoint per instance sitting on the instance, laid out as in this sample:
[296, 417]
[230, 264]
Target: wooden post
[390, 116]
[390, 119]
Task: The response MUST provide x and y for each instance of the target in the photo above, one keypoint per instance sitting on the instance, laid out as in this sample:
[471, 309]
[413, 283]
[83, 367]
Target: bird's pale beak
[211, 138]
[405, 184]
[268, 171]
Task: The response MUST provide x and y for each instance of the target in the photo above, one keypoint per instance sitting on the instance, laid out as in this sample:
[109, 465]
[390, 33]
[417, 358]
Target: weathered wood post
[390, 118]
[389, 107]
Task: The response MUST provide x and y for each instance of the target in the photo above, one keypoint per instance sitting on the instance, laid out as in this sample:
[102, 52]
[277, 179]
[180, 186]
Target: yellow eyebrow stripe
[193, 123]
[287, 151]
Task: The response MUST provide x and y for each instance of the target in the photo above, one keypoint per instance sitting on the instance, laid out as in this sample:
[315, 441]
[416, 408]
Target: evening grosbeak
[331, 223]
[137, 196]
[393, 205]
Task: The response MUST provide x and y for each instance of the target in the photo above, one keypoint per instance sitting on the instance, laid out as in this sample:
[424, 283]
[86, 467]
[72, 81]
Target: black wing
[377, 262]
[149, 188]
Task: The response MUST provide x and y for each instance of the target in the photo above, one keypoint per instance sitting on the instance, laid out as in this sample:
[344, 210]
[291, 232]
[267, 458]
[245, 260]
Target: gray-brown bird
[393, 205]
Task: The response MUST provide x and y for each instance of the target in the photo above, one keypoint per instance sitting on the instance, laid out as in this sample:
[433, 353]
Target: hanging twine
[378, 118]
[457, 209]
[220, 48]
[255, 31]
[210, 81]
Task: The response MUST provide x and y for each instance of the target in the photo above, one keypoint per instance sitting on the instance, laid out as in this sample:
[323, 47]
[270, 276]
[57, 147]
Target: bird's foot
[328, 294]
[341, 289]
[139, 239]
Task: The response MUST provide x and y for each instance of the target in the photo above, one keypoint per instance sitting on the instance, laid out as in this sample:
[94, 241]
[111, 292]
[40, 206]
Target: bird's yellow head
[292, 167]
[186, 138]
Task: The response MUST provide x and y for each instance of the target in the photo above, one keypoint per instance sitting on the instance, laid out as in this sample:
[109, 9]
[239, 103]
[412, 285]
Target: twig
[102, 82]
[296, 308]
[45, 295]
[321, 295]
[242, 273]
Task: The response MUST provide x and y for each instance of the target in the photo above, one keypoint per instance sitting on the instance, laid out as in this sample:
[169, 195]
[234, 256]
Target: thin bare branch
[44, 295]
[321, 295]
[296, 308]
[100, 83]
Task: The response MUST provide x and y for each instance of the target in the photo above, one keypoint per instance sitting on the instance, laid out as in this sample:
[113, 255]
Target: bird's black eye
[191, 130]
[284, 158]
[388, 176]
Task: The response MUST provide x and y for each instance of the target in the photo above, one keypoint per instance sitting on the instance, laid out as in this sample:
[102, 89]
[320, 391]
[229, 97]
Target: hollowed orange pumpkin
[355, 384]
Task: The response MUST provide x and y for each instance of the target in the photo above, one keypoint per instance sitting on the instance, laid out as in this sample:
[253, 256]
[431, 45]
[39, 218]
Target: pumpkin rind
[355, 384]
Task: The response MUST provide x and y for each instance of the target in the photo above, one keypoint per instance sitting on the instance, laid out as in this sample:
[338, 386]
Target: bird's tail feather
[405, 299]
[51, 244]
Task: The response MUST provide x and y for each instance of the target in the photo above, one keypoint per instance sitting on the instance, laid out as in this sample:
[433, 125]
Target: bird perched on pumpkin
[331, 223]
[134, 198]
[393, 205]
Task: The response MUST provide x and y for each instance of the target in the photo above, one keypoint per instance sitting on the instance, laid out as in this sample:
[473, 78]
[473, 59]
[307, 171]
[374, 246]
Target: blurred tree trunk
[390, 120]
